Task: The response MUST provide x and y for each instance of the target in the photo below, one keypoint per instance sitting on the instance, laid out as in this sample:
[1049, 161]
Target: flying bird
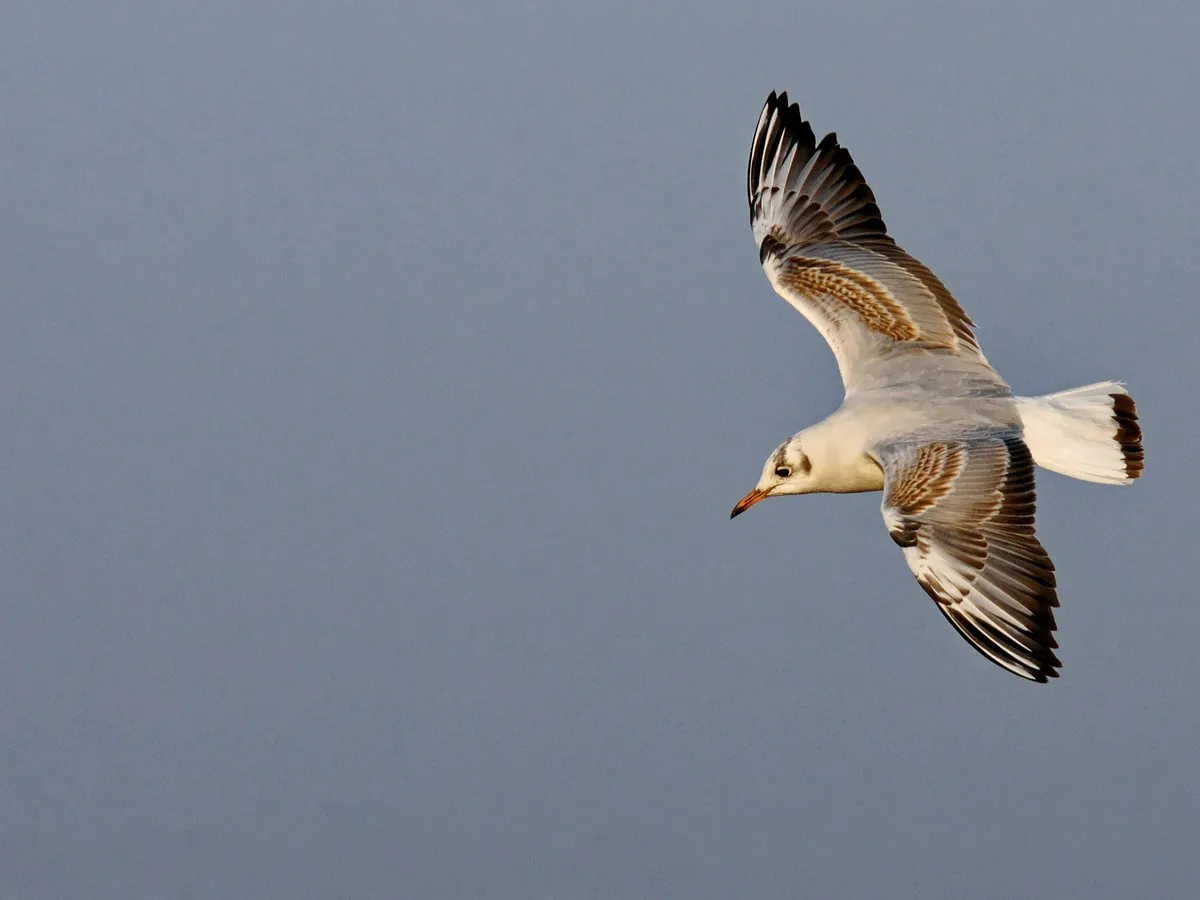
[926, 420]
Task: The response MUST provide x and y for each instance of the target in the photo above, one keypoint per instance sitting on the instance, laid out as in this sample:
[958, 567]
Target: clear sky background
[378, 379]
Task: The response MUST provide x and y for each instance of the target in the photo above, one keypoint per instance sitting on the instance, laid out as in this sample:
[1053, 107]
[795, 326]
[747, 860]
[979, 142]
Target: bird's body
[926, 419]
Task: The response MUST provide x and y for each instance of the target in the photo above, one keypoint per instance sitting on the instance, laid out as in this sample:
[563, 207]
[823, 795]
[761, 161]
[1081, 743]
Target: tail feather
[1129, 434]
[1091, 433]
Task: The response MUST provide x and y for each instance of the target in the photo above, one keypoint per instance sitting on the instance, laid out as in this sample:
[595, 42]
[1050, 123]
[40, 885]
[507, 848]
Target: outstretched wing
[826, 250]
[963, 510]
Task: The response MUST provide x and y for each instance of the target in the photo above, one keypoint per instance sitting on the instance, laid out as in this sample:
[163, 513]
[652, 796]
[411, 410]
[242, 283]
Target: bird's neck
[839, 459]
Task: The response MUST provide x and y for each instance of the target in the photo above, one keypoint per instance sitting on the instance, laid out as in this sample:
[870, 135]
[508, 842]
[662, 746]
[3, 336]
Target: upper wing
[963, 511]
[826, 250]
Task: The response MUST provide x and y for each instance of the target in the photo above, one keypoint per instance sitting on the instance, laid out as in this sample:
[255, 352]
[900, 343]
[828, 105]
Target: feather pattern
[963, 512]
[826, 250]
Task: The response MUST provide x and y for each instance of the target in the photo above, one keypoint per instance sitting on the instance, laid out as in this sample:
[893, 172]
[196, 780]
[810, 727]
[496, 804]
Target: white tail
[1090, 433]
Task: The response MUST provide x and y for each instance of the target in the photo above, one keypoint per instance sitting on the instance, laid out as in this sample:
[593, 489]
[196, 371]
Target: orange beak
[748, 501]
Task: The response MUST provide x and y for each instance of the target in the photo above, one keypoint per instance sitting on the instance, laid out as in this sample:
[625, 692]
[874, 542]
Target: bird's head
[787, 471]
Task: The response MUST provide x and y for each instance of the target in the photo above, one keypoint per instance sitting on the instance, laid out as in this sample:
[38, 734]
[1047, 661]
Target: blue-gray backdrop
[378, 378]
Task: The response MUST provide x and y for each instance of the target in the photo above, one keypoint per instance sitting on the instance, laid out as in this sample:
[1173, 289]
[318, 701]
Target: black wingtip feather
[833, 201]
[829, 142]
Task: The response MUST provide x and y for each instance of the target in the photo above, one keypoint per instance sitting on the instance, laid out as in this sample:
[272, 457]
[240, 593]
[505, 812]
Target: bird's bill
[748, 501]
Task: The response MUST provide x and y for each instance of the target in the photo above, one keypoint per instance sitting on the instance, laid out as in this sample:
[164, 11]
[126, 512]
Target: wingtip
[1044, 675]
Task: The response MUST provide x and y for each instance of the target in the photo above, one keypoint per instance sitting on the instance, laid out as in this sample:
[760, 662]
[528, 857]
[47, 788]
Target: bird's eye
[783, 471]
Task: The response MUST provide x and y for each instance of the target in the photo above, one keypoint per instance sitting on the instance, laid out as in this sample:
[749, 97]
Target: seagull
[925, 419]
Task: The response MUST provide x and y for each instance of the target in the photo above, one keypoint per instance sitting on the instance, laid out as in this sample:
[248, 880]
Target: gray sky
[377, 387]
